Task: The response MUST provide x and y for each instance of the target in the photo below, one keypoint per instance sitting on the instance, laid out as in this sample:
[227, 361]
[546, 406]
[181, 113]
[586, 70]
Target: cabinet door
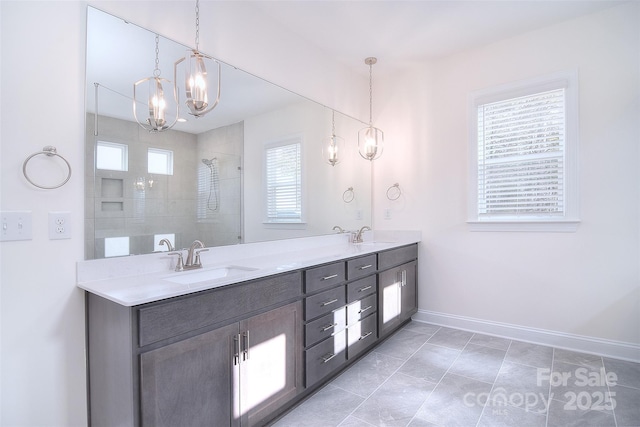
[271, 362]
[397, 296]
[190, 382]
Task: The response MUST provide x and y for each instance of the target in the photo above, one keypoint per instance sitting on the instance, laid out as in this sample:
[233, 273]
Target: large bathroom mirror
[205, 177]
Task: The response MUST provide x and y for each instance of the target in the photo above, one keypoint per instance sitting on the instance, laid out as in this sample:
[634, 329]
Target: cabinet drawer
[325, 357]
[362, 266]
[397, 256]
[184, 314]
[361, 288]
[361, 309]
[326, 276]
[362, 335]
[325, 326]
[324, 302]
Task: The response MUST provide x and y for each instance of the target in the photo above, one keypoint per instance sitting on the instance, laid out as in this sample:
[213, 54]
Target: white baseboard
[580, 343]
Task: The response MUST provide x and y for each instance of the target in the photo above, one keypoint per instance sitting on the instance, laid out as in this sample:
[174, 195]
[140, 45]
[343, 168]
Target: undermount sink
[205, 275]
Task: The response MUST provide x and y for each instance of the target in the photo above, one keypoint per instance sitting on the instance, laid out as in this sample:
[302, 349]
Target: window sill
[285, 225]
[568, 226]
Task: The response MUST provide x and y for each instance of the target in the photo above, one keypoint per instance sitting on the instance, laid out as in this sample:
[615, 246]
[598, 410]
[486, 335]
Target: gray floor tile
[313, 412]
[402, 344]
[451, 338]
[626, 373]
[562, 414]
[510, 416]
[519, 385]
[490, 341]
[530, 354]
[417, 422]
[421, 327]
[478, 362]
[365, 376]
[396, 402]
[573, 357]
[626, 405]
[430, 362]
[456, 401]
[354, 422]
[579, 385]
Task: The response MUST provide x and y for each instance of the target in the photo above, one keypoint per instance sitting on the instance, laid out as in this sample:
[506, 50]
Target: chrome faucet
[168, 243]
[338, 229]
[193, 257]
[357, 238]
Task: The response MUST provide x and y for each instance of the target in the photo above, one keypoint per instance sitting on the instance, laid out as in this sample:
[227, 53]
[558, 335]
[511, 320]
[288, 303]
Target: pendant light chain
[333, 122]
[197, 24]
[156, 71]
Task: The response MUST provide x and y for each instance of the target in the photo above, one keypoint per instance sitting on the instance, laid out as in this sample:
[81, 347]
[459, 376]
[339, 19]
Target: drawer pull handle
[364, 267]
[364, 309]
[245, 350]
[329, 302]
[366, 288]
[326, 328]
[236, 349]
[366, 335]
[328, 357]
[333, 276]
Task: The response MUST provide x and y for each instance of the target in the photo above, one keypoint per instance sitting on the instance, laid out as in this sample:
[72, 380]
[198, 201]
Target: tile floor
[426, 375]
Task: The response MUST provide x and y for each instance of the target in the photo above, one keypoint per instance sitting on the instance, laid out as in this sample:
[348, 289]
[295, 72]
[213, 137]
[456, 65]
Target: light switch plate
[15, 225]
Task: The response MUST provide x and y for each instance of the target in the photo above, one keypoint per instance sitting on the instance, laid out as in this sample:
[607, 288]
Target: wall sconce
[202, 87]
[333, 147]
[370, 139]
[157, 103]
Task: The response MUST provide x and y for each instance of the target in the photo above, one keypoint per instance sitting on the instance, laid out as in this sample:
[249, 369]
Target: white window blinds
[284, 183]
[521, 157]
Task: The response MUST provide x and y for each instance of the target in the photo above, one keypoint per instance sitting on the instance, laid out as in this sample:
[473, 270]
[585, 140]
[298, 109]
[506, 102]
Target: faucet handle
[180, 263]
[197, 260]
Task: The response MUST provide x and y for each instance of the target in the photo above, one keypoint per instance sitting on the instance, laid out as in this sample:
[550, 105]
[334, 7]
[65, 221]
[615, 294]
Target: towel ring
[348, 195]
[394, 192]
[49, 151]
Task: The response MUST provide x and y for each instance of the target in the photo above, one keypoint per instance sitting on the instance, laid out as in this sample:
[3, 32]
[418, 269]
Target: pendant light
[333, 147]
[157, 103]
[370, 139]
[201, 86]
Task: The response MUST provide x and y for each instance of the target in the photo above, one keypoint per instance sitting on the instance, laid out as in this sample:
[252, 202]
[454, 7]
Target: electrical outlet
[59, 225]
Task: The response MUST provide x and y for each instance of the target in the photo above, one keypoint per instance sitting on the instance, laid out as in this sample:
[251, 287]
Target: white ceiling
[400, 33]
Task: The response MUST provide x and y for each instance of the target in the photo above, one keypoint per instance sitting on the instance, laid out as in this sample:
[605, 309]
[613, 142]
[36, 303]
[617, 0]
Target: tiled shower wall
[128, 204]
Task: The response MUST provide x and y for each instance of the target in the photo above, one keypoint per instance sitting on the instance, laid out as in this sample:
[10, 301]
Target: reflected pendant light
[158, 105]
[333, 147]
[201, 76]
[370, 139]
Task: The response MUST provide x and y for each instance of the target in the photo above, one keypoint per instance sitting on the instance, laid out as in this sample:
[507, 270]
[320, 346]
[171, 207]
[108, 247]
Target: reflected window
[116, 246]
[160, 161]
[283, 177]
[112, 156]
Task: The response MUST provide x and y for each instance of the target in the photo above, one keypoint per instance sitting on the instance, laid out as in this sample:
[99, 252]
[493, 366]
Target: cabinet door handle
[366, 288]
[404, 277]
[364, 309]
[364, 267]
[245, 345]
[327, 357]
[326, 328]
[365, 335]
[236, 349]
[329, 302]
[333, 276]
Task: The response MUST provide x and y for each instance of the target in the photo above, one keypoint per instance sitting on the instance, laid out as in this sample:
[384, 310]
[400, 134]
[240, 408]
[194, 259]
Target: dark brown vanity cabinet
[200, 360]
[397, 288]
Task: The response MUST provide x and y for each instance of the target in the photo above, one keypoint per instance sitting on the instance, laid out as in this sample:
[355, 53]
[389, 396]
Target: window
[112, 156]
[160, 161]
[116, 246]
[283, 179]
[523, 147]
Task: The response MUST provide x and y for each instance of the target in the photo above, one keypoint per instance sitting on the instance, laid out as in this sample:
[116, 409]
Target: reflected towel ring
[394, 192]
[348, 195]
[49, 151]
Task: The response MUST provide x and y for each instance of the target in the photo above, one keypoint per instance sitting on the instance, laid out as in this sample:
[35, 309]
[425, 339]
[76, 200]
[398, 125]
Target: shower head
[208, 162]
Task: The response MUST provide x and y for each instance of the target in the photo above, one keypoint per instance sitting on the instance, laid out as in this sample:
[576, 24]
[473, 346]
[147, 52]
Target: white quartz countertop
[141, 279]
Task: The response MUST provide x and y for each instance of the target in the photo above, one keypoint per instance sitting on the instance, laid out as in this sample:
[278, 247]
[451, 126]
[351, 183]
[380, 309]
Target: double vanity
[241, 340]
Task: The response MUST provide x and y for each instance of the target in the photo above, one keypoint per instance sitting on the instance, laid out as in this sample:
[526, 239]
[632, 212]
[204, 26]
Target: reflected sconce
[370, 139]
[201, 76]
[157, 102]
[333, 147]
